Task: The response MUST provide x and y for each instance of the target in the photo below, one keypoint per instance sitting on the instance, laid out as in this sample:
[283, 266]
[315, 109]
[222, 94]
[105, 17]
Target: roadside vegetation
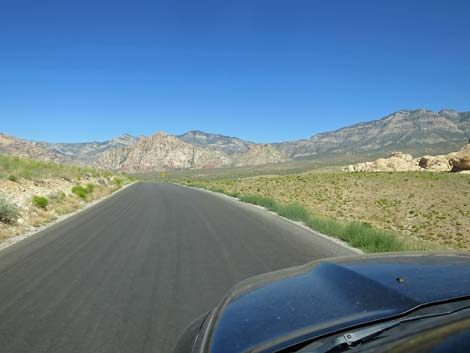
[375, 212]
[14, 168]
[9, 212]
[40, 202]
[34, 193]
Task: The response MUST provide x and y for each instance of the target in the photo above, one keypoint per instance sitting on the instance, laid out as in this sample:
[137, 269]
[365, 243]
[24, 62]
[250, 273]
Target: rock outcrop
[396, 162]
[461, 160]
[434, 163]
[401, 162]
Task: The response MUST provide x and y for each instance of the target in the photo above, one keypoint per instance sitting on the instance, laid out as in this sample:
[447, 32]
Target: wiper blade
[356, 337]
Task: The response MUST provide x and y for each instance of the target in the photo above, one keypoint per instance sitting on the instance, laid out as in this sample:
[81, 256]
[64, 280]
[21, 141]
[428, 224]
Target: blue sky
[262, 70]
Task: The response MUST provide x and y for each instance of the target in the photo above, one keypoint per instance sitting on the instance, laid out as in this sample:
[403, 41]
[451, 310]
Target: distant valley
[413, 131]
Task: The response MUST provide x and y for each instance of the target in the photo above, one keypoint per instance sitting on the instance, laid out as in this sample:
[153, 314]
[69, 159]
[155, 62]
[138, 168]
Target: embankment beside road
[34, 194]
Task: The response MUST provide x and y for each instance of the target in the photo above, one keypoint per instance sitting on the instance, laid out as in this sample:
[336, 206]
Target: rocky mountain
[419, 132]
[162, 151]
[87, 152]
[25, 148]
[216, 141]
[415, 131]
[140, 154]
[259, 154]
[70, 153]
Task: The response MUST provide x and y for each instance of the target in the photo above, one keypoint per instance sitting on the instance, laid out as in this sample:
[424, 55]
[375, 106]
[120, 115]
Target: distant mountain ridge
[418, 131]
[220, 142]
[87, 152]
[72, 153]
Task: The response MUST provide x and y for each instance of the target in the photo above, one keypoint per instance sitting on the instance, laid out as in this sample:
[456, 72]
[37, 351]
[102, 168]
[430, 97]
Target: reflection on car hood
[281, 308]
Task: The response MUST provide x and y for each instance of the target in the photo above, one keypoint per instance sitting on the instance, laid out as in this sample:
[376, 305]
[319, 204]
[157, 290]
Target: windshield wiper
[354, 338]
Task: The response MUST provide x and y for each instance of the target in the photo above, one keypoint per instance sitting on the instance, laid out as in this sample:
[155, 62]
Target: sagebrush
[9, 212]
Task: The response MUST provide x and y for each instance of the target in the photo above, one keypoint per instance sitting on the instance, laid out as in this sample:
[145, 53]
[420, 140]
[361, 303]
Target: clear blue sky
[261, 70]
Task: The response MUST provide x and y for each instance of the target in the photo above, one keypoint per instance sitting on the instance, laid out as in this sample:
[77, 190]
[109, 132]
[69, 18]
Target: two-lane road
[128, 274]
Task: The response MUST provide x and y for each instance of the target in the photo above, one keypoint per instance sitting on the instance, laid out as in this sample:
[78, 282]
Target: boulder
[401, 155]
[397, 162]
[451, 155]
[403, 162]
[461, 161]
[435, 163]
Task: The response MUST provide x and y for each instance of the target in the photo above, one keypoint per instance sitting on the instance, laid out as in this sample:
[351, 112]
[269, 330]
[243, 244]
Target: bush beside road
[33, 193]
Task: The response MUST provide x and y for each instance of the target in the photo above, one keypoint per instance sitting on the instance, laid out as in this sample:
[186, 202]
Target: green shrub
[295, 212]
[83, 191]
[117, 181]
[12, 177]
[40, 201]
[264, 201]
[80, 191]
[9, 212]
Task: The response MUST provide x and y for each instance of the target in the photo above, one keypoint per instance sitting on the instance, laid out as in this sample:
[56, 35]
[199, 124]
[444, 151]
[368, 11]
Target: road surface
[127, 275]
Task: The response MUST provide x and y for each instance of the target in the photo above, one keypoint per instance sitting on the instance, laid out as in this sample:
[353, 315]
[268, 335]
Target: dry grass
[13, 168]
[415, 205]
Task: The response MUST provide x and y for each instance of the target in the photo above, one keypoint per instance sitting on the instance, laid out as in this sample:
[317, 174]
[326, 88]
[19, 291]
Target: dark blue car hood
[278, 309]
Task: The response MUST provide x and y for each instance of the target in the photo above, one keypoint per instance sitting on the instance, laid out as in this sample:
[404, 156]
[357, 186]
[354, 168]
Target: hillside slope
[71, 153]
[415, 131]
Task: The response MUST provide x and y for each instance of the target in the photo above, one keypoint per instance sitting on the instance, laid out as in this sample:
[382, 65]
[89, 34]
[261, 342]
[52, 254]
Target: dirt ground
[430, 206]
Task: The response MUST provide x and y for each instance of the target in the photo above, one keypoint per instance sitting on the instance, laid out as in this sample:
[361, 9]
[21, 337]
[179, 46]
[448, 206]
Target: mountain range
[418, 131]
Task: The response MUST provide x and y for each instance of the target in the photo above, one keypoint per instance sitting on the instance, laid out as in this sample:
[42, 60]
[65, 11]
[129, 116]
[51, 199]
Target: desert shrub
[9, 212]
[80, 191]
[264, 201]
[57, 196]
[117, 181]
[295, 212]
[83, 191]
[40, 201]
[12, 177]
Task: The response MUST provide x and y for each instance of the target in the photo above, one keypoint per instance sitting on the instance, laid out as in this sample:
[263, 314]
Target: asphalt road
[128, 274]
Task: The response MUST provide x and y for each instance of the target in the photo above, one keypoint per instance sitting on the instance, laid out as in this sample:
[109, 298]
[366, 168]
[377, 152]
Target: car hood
[279, 309]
